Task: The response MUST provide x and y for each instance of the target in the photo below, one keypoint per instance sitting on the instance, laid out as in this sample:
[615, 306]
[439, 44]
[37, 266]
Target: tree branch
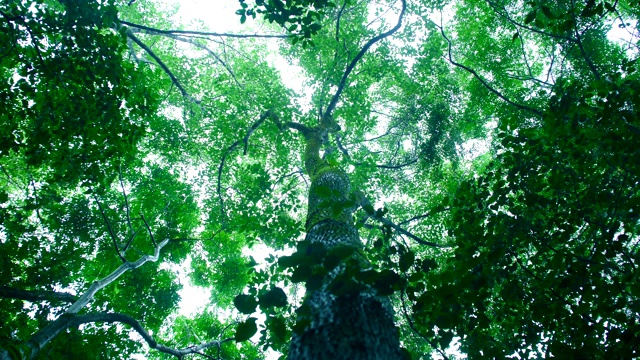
[111, 232]
[519, 25]
[244, 140]
[365, 202]
[146, 224]
[334, 101]
[417, 217]
[164, 67]
[386, 166]
[66, 321]
[484, 83]
[587, 59]
[201, 33]
[33, 296]
[100, 284]
[126, 200]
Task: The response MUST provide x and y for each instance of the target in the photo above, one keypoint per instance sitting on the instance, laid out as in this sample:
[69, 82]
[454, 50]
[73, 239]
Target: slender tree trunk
[354, 325]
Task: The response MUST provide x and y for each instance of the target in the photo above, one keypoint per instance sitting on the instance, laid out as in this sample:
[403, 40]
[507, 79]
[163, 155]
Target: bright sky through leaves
[472, 183]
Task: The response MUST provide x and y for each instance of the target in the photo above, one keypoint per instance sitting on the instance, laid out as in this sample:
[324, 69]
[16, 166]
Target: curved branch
[365, 202]
[519, 25]
[484, 82]
[66, 321]
[343, 81]
[100, 284]
[200, 33]
[415, 330]
[164, 67]
[244, 140]
[33, 296]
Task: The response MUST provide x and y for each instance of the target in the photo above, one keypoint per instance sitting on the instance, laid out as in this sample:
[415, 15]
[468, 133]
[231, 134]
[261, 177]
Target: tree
[170, 160]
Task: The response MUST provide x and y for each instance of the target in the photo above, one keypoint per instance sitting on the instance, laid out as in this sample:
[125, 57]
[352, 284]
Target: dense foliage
[493, 144]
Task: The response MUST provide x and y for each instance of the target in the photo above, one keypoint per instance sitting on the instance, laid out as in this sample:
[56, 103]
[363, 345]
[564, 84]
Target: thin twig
[415, 330]
[126, 200]
[202, 33]
[244, 140]
[201, 46]
[146, 224]
[334, 100]
[111, 232]
[67, 321]
[164, 67]
[484, 82]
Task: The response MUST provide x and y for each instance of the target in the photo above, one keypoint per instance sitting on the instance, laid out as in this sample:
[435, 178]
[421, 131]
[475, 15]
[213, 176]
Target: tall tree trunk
[352, 324]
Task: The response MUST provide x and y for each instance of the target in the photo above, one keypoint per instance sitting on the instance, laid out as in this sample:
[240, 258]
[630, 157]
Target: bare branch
[210, 52]
[146, 224]
[344, 152]
[364, 202]
[417, 217]
[399, 166]
[133, 235]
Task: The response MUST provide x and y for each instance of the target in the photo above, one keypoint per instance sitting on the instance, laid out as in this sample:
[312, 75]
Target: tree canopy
[492, 146]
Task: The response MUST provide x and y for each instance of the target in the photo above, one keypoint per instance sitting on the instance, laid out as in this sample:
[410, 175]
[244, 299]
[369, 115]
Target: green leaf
[368, 209]
[278, 329]
[315, 27]
[273, 298]
[323, 191]
[445, 339]
[406, 260]
[547, 12]
[246, 304]
[245, 330]
[530, 17]
[314, 282]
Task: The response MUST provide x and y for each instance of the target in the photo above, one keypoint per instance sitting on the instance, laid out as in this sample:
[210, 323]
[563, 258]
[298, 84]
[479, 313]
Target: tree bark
[358, 325]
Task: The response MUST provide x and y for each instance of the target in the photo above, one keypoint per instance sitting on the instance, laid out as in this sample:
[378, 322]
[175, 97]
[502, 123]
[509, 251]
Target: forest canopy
[476, 160]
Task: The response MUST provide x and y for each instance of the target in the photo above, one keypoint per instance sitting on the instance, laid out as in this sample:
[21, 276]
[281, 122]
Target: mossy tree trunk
[346, 319]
